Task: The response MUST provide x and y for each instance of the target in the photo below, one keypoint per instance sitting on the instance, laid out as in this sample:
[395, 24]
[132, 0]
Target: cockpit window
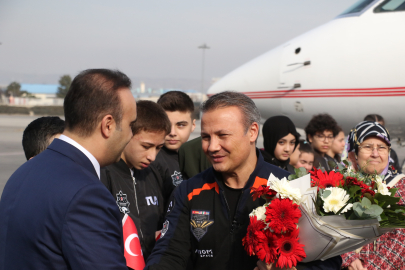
[358, 7]
[390, 6]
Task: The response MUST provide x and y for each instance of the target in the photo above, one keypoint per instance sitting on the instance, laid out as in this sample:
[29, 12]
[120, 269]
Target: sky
[148, 39]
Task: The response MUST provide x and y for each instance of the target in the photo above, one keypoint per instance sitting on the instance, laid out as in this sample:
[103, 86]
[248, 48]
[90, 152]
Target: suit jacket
[56, 214]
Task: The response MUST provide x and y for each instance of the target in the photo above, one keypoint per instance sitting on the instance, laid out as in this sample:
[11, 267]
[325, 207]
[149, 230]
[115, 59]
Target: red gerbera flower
[352, 181]
[282, 215]
[291, 252]
[254, 235]
[267, 251]
[324, 180]
[265, 191]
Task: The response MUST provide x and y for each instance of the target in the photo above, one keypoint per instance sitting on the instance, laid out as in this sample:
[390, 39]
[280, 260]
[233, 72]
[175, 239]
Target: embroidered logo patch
[122, 202]
[164, 229]
[152, 200]
[205, 253]
[170, 206]
[200, 221]
[177, 178]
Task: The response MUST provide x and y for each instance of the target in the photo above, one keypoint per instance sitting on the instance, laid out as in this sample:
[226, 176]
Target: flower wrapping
[343, 211]
[320, 215]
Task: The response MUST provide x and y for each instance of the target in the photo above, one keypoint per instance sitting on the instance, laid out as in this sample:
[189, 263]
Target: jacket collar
[252, 177]
[74, 154]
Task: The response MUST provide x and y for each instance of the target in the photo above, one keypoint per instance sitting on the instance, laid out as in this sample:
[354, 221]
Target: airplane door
[293, 61]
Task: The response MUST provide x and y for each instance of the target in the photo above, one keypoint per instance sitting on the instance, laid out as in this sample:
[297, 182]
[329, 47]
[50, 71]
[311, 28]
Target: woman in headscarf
[280, 138]
[369, 149]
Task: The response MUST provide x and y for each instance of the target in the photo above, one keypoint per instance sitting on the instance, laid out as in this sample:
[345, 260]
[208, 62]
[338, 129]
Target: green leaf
[383, 216]
[341, 167]
[368, 196]
[388, 200]
[332, 164]
[365, 203]
[353, 190]
[326, 193]
[358, 209]
[393, 191]
[374, 211]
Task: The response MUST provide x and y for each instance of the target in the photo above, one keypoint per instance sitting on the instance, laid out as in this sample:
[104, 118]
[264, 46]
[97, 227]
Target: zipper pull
[133, 178]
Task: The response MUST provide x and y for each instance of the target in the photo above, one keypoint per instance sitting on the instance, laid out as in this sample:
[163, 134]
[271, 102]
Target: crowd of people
[190, 201]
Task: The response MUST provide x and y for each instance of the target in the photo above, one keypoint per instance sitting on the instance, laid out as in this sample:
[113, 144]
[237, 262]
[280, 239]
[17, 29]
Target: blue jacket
[56, 214]
[198, 227]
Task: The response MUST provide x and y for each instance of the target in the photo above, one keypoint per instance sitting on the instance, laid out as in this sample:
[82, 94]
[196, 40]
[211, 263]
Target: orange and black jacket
[198, 228]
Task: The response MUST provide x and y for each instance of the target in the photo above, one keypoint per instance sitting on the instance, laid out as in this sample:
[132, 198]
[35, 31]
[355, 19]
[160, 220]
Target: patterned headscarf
[365, 130]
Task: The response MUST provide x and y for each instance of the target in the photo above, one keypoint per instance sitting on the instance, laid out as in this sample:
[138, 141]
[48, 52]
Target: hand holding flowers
[272, 234]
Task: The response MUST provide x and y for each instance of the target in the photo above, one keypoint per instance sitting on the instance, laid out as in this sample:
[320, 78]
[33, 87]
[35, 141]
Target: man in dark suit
[54, 211]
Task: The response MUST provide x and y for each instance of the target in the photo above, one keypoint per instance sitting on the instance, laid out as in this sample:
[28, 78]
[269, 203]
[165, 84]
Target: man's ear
[310, 138]
[193, 125]
[254, 132]
[108, 126]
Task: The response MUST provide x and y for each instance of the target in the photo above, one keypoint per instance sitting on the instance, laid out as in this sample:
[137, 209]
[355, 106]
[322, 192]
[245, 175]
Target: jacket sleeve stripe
[206, 186]
[259, 182]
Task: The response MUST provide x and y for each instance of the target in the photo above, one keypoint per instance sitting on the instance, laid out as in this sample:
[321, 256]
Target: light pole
[203, 47]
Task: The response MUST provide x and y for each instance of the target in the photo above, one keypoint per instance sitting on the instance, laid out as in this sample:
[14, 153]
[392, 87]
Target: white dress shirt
[87, 153]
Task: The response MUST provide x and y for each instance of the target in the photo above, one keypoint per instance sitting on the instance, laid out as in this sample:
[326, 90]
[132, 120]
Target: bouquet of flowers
[272, 234]
[337, 212]
[356, 197]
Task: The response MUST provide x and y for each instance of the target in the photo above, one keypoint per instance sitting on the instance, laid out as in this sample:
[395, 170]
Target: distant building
[41, 91]
[41, 95]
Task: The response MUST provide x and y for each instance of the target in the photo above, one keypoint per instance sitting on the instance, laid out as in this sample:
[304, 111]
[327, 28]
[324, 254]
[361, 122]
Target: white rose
[283, 189]
[259, 212]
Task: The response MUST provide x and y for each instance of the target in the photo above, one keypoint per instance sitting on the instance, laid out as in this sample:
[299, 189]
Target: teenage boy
[39, 134]
[179, 108]
[321, 131]
[135, 185]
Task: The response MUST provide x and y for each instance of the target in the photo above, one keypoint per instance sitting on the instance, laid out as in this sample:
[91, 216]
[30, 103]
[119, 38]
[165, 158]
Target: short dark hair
[92, 95]
[150, 118]
[37, 134]
[225, 99]
[176, 101]
[374, 118]
[320, 123]
[306, 147]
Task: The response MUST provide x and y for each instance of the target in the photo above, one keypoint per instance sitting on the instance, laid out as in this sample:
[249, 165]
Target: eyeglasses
[369, 148]
[322, 137]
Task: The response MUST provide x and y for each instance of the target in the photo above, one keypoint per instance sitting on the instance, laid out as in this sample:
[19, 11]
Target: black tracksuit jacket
[198, 226]
[167, 164]
[143, 193]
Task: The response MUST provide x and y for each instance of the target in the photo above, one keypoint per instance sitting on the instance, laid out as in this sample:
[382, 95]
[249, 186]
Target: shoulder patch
[164, 229]
[122, 202]
[177, 178]
[199, 223]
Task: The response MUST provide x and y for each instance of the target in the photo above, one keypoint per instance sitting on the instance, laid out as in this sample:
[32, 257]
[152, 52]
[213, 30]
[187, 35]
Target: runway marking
[11, 154]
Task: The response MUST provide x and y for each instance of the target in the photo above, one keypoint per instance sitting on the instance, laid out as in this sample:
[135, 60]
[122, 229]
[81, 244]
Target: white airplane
[349, 67]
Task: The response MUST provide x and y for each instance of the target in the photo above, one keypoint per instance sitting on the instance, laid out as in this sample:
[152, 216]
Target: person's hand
[157, 233]
[356, 265]
[264, 266]
[351, 156]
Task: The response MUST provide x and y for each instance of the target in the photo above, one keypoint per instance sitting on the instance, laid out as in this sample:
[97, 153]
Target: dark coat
[144, 201]
[56, 214]
[219, 244]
